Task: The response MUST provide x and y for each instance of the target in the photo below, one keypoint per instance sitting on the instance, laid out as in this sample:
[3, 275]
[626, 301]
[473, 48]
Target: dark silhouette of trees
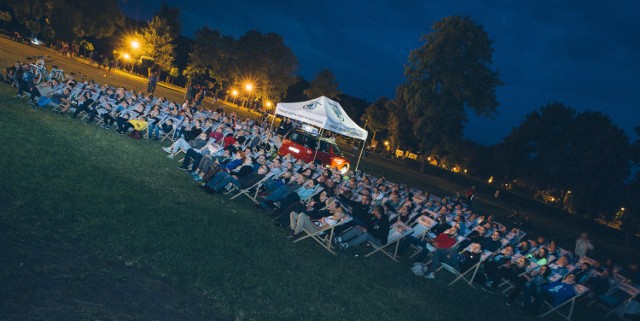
[558, 148]
[324, 84]
[375, 116]
[447, 75]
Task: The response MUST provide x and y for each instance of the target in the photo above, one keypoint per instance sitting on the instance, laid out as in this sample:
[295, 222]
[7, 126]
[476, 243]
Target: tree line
[582, 158]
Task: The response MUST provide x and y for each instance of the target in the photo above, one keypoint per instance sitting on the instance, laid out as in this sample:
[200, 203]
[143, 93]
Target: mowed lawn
[123, 200]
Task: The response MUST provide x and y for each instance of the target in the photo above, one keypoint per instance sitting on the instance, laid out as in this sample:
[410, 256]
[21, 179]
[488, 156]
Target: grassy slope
[124, 200]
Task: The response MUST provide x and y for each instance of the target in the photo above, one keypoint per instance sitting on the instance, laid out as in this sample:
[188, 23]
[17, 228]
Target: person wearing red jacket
[445, 245]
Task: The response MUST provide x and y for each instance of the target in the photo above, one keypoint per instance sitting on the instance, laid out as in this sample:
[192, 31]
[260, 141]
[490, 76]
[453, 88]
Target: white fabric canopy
[324, 113]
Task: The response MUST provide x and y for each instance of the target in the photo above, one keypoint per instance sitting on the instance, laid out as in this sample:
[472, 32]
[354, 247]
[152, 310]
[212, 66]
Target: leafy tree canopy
[324, 84]
[449, 73]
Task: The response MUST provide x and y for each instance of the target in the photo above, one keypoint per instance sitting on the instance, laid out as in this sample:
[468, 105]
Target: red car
[304, 145]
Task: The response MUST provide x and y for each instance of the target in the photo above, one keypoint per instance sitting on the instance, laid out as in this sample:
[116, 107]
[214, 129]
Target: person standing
[28, 81]
[583, 245]
[152, 81]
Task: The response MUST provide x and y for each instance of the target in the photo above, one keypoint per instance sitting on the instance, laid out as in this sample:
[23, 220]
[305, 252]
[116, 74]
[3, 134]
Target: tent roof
[324, 113]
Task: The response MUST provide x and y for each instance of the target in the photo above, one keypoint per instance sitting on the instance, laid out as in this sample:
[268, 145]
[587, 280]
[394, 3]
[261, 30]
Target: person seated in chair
[446, 249]
[540, 256]
[493, 242]
[13, 74]
[468, 258]
[376, 230]
[491, 267]
[535, 280]
[300, 221]
[555, 293]
[223, 178]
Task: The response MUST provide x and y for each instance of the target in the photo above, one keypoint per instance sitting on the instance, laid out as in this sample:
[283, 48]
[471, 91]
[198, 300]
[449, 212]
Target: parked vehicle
[310, 147]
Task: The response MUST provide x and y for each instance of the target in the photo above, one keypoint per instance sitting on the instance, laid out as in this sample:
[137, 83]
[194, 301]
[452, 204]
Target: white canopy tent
[326, 114]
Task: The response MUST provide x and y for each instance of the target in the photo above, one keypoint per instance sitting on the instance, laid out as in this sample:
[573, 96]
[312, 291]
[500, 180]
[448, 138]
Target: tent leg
[272, 122]
[318, 147]
[359, 157]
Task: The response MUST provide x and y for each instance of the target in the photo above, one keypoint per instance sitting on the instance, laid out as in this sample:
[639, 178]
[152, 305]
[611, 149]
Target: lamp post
[234, 93]
[248, 87]
[135, 45]
[127, 57]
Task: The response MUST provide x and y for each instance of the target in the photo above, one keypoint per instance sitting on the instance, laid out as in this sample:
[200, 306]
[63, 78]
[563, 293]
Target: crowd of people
[225, 153]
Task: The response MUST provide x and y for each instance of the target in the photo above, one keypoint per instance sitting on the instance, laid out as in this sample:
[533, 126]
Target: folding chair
[580, 291]
[397, 232]
[472, 270]
[324, 237]
[623, 291]
[255, 187]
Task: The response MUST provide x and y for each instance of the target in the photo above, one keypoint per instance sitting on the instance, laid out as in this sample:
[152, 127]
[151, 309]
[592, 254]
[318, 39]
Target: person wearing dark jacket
[218, 182]
[376, 230]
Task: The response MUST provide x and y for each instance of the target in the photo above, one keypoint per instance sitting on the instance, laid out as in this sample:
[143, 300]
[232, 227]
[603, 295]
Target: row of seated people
[241, 153]
[127, 110]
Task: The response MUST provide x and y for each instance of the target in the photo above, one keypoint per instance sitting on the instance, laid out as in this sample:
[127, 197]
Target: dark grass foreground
[121, 201]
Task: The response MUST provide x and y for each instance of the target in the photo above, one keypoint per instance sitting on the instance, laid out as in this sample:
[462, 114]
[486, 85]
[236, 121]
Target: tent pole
[272, 121]
[318, 147]
[361, 150]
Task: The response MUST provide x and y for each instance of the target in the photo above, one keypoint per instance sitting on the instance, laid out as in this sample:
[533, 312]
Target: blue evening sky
[582, 53]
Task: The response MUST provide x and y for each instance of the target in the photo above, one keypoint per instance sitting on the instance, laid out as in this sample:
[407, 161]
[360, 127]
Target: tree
[376, 116]
[539, 150]
[212, 56]
[31, 13]
[5, 17]
[558, 148]
[448, 74]
[324, 84]
[171, 16]
[81, 19]
[400, 124]
[158, 43]
[267, 62]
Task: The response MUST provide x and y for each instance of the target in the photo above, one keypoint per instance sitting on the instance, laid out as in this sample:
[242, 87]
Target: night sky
[583, 53]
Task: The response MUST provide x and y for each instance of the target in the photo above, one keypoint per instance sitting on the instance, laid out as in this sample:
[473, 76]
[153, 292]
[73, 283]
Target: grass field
[121, 201]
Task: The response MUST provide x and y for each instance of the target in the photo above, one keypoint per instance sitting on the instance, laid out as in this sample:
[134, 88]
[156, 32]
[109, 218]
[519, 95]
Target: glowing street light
[248, 87]
[268, 104]
[126, 56]
[234, 93]
[135, 44]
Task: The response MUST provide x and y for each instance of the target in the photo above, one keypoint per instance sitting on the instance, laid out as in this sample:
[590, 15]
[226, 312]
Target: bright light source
[622, 209]
[386, 143]
[234, 92]
[490, 180]
[248, 87]
[126, 56]
[269, 104]
[295, 150]
[135, 44]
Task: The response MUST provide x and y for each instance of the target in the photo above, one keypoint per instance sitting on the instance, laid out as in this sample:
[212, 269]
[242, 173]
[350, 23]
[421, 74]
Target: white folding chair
[324, 237]
[397, 232]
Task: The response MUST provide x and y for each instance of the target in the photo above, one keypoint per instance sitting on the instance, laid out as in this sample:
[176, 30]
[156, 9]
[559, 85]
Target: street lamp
[235, 94]
[135, 45]
[248, 87]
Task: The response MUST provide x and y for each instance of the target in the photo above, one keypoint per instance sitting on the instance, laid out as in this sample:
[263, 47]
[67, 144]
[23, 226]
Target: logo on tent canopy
[336, 110]
[311, 106]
